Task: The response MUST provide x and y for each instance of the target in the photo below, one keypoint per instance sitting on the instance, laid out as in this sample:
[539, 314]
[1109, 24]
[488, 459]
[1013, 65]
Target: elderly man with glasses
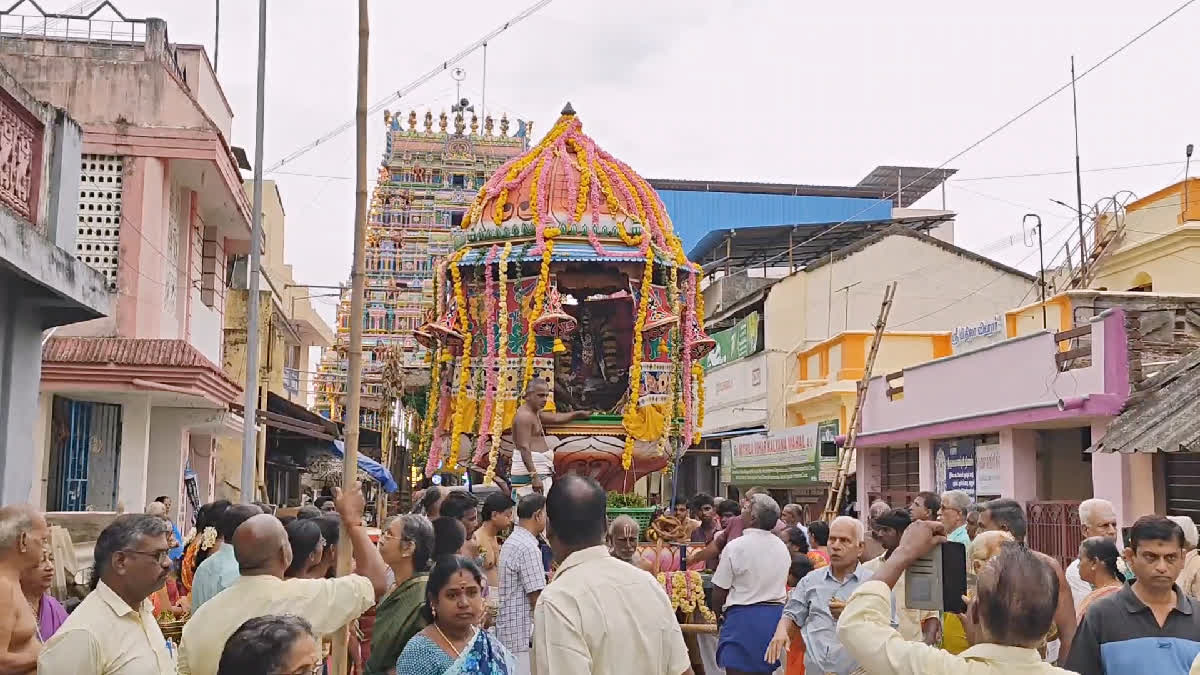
[956, 504]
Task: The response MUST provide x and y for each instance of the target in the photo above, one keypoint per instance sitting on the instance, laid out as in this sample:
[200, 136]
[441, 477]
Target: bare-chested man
[533, 460]
[24, 536]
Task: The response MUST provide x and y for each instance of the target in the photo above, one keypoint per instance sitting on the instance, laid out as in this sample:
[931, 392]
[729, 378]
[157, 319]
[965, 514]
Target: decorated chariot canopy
[567, 269]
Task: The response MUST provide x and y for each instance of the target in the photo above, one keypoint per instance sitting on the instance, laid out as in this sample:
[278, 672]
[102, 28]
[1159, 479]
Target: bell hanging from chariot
[701, 344]
[554, 321]
[444, 330]
[659, 322]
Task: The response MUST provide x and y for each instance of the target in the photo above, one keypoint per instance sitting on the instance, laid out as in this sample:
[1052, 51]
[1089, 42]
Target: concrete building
[130, 405]
[288, 328]
[42, 285]
[1156, 243]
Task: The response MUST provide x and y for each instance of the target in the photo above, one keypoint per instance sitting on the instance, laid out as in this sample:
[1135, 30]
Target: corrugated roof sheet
[125, 352]
[1164, 415]
[695, 214]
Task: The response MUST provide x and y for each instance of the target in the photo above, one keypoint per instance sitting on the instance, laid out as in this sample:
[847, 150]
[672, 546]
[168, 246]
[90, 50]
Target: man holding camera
[1005, 622]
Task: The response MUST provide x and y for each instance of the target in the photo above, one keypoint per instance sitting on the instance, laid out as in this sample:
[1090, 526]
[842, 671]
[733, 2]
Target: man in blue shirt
[1149, 626]
[816, 603]
[220, 570]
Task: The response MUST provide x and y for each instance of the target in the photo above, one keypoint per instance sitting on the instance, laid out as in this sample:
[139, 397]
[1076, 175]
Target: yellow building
[1156, 244]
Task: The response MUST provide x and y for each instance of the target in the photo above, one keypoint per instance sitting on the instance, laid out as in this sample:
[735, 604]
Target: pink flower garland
[489, 400]
[689, 311]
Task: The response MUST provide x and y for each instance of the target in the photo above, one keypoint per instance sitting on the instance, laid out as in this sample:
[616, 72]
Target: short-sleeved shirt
[327, 604]
[521, 573]
[606, 617]
[1119, 634]
[754, 568]
[808, 608]
[218, 572]
[105, 636]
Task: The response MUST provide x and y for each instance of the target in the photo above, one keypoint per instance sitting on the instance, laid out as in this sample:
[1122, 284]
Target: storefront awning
[1162, 415]
[729, 433]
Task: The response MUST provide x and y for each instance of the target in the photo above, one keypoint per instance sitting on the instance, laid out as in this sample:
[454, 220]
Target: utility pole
[1041, 262]
[250, 421]
[217, 37]
[357, 281]
[1078, 176]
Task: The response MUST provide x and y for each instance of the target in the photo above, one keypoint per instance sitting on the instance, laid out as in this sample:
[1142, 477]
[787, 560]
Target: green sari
[397, 619]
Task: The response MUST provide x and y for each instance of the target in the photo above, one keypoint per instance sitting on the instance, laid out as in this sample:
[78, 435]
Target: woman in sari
[1098, 566]
[267, 645]
[452, 644]
[818, 535]
[406, 545]
[35, 585]
[203, 541]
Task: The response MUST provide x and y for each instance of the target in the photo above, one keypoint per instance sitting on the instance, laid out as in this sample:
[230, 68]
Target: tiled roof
[125, 352]
[1163, 416]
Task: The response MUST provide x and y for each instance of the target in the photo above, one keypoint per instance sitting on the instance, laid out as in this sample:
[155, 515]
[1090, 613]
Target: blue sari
[485, 656]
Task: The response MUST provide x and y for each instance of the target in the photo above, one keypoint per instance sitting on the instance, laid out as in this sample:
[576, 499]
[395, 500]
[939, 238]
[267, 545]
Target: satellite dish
[458, 74]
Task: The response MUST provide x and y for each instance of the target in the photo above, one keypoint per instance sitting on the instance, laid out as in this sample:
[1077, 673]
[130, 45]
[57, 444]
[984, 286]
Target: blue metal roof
[695, 214]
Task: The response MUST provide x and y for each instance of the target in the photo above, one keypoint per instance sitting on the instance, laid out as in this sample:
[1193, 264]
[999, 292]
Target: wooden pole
[357, 280]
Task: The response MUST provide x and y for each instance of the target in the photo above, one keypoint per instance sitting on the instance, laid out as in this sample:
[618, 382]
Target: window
[458, 180]
[456, 219]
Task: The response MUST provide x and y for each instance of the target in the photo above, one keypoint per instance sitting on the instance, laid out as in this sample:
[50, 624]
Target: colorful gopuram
[427, 179]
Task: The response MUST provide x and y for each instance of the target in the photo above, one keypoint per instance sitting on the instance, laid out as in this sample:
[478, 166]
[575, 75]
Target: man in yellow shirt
[113, 631]
[1013, 608]
[263, 553]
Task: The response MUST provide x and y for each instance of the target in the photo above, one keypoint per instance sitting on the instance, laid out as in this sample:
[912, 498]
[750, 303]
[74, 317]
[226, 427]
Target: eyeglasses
[159, 556]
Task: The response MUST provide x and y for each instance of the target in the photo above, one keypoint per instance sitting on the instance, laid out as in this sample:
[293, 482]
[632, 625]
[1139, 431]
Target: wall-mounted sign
[987, 469]
[734, 343]
[977, 334]
[954, 465]
[827, 433]
[778, 458]
[726, 460]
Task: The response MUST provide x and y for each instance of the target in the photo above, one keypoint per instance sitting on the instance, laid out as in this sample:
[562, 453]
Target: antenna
[458, 75]
[1028, 236]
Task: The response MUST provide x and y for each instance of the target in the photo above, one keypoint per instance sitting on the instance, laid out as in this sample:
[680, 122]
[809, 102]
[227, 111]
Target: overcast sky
[770, 90]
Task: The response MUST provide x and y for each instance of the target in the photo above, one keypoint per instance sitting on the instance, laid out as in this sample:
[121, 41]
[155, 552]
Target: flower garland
[464, 372]
[635, 366]
[432, 397]
[689, 310]
[675, 379]
[686, 591]
[497, 421]
[535, 311]
[489, 365]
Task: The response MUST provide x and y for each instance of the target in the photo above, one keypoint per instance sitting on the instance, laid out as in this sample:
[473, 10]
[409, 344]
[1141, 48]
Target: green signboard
[734, 343]
[777, 459]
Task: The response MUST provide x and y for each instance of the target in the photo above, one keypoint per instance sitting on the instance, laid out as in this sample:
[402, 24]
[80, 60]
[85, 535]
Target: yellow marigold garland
[614, 206]
[535, 311]
[464, 373]
[533, 192]
[635, 366]
[497, 420]
[585, 179]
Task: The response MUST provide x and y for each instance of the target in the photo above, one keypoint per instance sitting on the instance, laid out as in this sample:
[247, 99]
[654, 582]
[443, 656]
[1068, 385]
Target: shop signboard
[726, 460]
[827, 432]
[776, 459]
[734, 343]
[954, 465]
[735, 395]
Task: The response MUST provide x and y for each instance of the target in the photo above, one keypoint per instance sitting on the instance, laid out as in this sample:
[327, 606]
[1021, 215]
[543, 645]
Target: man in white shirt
[263, 554]
[1099, 519]
[749, 588]
[599, 615]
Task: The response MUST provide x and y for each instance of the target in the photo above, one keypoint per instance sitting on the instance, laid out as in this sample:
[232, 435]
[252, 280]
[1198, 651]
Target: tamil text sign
[954, 465]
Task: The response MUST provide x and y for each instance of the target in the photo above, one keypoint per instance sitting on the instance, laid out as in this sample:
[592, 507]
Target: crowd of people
[547, 585]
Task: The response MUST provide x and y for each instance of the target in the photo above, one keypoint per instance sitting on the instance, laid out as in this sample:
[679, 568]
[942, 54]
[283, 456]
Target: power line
[1039, 103]
[1067, 172]
[412, 86]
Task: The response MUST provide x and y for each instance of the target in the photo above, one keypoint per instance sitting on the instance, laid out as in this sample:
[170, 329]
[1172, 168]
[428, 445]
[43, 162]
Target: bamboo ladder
[838, 487]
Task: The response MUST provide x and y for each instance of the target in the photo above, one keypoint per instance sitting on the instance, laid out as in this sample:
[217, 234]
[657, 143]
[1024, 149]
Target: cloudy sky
[771, 90]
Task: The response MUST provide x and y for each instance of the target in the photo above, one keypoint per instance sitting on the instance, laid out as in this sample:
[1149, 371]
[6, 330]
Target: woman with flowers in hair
[202, 541]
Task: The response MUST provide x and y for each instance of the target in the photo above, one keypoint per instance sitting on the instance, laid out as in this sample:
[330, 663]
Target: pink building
[130, 404]
[1013, 418]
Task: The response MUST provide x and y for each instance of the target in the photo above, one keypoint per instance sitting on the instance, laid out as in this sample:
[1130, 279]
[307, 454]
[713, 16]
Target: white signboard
[987, 470]
[978, 334]
[735, 395]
